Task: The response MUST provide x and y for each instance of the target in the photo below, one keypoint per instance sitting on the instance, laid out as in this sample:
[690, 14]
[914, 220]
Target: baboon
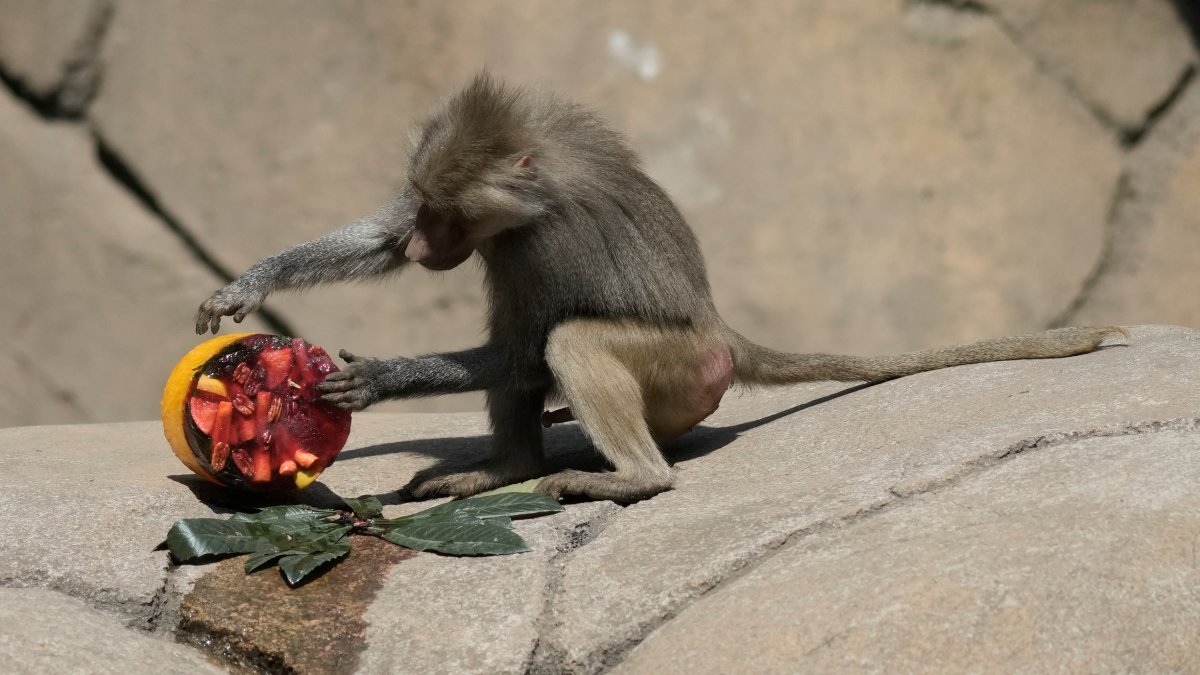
[597, 295]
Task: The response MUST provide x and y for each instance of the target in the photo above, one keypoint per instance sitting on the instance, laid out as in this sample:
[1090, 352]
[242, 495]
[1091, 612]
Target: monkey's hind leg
[607, 400]
[516, 450]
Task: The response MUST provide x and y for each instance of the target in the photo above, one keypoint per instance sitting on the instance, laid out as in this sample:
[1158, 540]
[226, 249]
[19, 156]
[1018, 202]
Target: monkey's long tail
[756, 364]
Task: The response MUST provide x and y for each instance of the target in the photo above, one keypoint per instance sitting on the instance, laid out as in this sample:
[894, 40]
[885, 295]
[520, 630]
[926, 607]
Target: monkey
[597, 298]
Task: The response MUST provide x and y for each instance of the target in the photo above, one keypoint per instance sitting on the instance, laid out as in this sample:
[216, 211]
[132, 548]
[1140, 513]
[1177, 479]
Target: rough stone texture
[41, 40]
[100, 295]
[746, 486]
[814, 465]
[1155, 229]
[1011, 568]
[894, 175]
[1122, 56]
[85, 508]
[46, 632]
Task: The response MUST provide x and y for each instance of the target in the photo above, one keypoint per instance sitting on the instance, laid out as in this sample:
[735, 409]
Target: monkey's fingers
[347, 356]
[337, 382]
[347, 400]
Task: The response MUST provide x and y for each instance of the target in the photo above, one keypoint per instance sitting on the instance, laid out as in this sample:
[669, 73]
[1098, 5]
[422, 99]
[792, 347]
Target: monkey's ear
[525, 167]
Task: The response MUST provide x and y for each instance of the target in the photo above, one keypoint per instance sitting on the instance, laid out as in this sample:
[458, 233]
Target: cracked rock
[46, 632]
[1079, 556]
[106, 294]
[1123, 57]
[1155, 229]
[49, 48]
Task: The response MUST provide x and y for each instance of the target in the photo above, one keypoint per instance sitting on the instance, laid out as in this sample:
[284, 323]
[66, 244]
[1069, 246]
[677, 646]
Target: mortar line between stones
[1104, 261]
[611, 656]
[123, 174]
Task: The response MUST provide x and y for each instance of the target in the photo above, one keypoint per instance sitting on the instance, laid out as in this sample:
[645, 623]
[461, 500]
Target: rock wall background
[863, 176]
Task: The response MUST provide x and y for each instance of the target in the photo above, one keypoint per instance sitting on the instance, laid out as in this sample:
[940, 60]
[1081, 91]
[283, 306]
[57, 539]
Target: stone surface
[892, 176]
[41, 40]
[750, 482]
[1073, 556]
[1026, 446]
[1155, 229]
[46, 632]
[1122, 56]
[105, 292]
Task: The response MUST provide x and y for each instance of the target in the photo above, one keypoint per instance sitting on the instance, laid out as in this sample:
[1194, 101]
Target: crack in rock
[81, 75]
[125, 176]
[611, 655]
[546, 656]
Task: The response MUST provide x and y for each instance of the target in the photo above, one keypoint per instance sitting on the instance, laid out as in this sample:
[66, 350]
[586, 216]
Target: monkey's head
[476, 173]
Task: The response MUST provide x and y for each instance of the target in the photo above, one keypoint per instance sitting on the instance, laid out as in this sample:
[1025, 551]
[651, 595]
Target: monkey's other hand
[234, 300]
[357, 386]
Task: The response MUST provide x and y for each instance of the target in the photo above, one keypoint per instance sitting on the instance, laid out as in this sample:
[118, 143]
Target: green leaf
[490, 506]
[456, 538]
[297, 568]
[261, 559]
[366, 506]
[194, 538]
[288, 513]
[527, 486]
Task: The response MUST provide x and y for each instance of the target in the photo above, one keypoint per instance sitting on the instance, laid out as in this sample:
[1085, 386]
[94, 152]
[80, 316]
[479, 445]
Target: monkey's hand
[236, 300]
[364, 381]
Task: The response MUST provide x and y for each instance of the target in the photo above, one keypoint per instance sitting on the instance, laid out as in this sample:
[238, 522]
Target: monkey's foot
[486, 476]
[614, 486]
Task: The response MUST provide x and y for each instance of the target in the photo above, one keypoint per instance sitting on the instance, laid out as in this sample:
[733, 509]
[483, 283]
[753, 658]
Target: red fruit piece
[287, 468]
[262, 466]
[277, 362]
[244, 429]
[221, 426]
[203, 409]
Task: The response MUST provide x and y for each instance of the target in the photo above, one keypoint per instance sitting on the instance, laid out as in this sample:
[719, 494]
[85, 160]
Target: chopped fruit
[212, 386]
[220, 431]
[262, 466]
[204, 412]
[262, 403]
[244, 429]
[244, 411]
[278, 363]
[305, 477]
[305, 459]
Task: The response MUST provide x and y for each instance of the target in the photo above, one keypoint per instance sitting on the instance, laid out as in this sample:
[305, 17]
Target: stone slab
[1074, 556]
[40, 38]
[46, 632]
[1124, 57]
[102, 306]
[779, 462]
[1155, 229]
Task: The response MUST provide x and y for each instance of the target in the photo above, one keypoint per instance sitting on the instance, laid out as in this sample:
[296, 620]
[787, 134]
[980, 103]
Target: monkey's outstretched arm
[366, 381]
[366, 248]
